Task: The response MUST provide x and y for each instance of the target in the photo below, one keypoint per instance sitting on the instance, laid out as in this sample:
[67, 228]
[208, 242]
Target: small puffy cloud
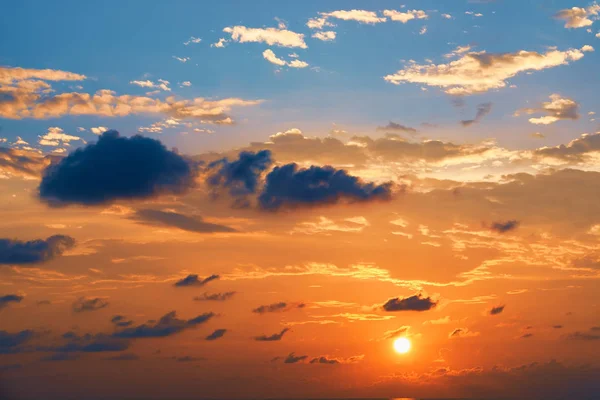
[406, 16]
[578, 17]
[194, 280]
[288, 186]
[116, 168]
[483, 109]
[16, 252]
[148, 84]
[56, 137]
[218, 333]
[10, 298]
[270, 36]
[98, 130]
[192, 40]
[270, 56]
[273, 337]
[319, 23]
[423, 30]
[292, 358]
[277, 307]
[222, 42]
[446, 16]
[120, 321]
[215, 296]
[504, 226]
[412, 303]
[325, 36]
[362, 16]
[182, 59]
[335, 360]
[397, 128]
[462, 333]
[186, 83]
[177, 220]
[89, 304]
[479, 72]
[537, 135]
[167, 325]
[557, 109]
[496, 310]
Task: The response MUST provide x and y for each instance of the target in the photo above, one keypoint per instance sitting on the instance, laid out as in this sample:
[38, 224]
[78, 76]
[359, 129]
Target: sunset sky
[256, 199]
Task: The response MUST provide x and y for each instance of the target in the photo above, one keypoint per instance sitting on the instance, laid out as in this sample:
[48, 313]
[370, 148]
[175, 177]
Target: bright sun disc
[402, 345]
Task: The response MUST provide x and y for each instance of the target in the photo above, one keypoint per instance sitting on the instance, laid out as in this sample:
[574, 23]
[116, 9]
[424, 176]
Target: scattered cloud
[277, 307]
[412, 303]
[496, 310]
[462, 333]
[483, 109]
[505, 226]
[273, 337]
[270, 36]
[148, 84]
[577, 17]
[177, 220]
[7, 299]
[193, 280]
[16, 252]
[192, 40]
[397, 128]
[89, 304]
[215, 296]
[325, 36]
[218, 333]
[406, 16]
[557, 109]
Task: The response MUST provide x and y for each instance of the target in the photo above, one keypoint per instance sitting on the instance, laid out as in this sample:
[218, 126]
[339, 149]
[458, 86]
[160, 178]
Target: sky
[258, 199]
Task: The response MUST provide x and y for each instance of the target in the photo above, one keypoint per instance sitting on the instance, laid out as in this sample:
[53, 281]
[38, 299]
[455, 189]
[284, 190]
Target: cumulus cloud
[404, 17]
[277, 307]
[98, 130]
[270, 56]
[177, 220]
[558, 108]
[325, 36]
[362, 16]
[504, 226]
[577, 150]
[218, 333]
[482, 110]
[116, 168]
[16, 252]
[578, 17]
[56, 137]
[270, 36]
[289, 186]
[89, 304]
[193, 280]
[496, 310]
[479, 72]
[215, 296]
[167, 325]
[10, 298]
[273, 337]
[412, 303]
[396, 127]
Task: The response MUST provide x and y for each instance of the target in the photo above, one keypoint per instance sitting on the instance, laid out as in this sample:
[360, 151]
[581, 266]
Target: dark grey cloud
[292, 358]
[116, 168]
[11, 342]
[215, 296]
[167, 325]
[217, 333]
[497, 310]
[60, 357]
[592, 334]
[9, 298]
[89, 343]
[412, 303]
[483, 109]
[557, 326]
[324, 360]
[176, 220]
[395, 127]
[277, 307]
[194, 280]
[506, 226]
[526, 335]
[34, 251]
[289, 186]
[239, 178]
[271, 338]
[188, 359]
[120, 321]
[125, 357]
[89, 304]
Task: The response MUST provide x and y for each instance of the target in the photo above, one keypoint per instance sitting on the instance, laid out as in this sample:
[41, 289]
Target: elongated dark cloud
[125, 357]
[483, 109]
[503, 227]
[324, 360]
[412, 303]
[289, 186]
[215, 296]
[240, 177]
[292, 358]
[120, 321]
[116, 168]
[395, 127]
[34, 251]
[526, 336]
[194, 280]
[9, 298]
[176, 220]
[10, 342]
[218, 333]
[188, 359]
[271, 338]
[277, 307]
[497, 310]
[89, 304]
[591, 335]
[89, 343]
[167, 325]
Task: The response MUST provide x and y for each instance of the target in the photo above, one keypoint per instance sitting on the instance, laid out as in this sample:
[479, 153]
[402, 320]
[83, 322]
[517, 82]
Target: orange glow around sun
[402, 345]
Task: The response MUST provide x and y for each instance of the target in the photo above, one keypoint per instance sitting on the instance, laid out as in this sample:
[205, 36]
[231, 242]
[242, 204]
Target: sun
[402, 345]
